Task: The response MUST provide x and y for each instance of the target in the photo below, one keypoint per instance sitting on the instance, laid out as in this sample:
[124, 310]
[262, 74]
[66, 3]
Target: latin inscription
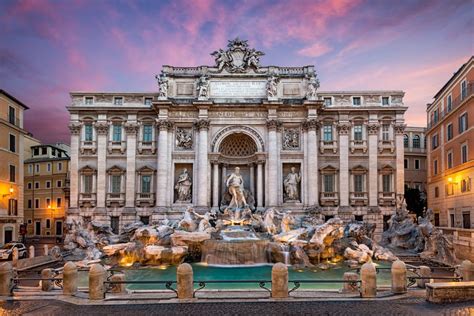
[237, 114]
[238, 89]
[185, 89]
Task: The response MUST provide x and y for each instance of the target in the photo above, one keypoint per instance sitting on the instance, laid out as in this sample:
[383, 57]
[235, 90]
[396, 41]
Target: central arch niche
[238, 145]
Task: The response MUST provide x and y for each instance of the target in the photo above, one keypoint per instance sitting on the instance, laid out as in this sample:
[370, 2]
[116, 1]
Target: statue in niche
[291, 185]
[184, 139]
[183, 186]
[203, 88]
[313, 85]
[272, 87]
[235, 186]
[291, 139]
[162, 85]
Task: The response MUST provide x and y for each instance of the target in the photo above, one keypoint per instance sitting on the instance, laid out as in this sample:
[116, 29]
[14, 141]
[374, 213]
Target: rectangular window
[385, 132]
[48, 167]
[89, 100]
[48, 223]
[327, 101]
[58, 202]
[37, 203]
[148, 101]
[464, 153]
[37, 185]
[30, 203]
[449, 189]
[449, 103]
[48, 202]
[115, 224]
[37, 167]
[385, 100]
[358, 183]
[116, 181]
[434, 141]
[358, 132]
[463, 90]
[30, 169]
[60, 166]
[48, 184]
[12, 173]
[416, 141]
[435, 167]
[59, 183]
[87, 179]
[449, 131]
[12, 143]
[417, 163]
[12, 207]
[146, 184]
[387, 183]
[451, 217]
[327, 133]
[329, 183]
[118, 101]
[11, 115]
[356, 101]
[30, 185]
[463, 123]
[450, 160]
[117, 132]
[405, 163]
[88, 132]
[466, 185]
[44, 150]
[147, 133]
[436, 192]
[435, 116]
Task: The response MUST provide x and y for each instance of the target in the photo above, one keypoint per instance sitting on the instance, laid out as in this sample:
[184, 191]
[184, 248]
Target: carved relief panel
[291, 138]
[184, 138]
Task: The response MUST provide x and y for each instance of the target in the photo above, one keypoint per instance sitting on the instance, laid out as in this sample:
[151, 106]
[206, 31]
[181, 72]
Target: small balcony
[329, 199]
[387, 198]
[87, 199]
[329, 145]
[119, 146]
[359, 198]
[115, 199]
[358, 145]
[145, 199]
[88, 146]
[146, 148]
[386, 145]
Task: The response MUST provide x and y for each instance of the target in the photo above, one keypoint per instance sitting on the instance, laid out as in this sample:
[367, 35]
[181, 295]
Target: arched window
[416, 141]
[405, 141]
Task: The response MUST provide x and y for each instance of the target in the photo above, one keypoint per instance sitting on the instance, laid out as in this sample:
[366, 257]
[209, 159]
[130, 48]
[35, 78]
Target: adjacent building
[141, 156]
[414, 142]
[12, 136]
[451, 157]
[46, 200]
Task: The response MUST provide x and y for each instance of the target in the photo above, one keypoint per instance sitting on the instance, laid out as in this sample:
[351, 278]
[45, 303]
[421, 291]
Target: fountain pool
[203, 272]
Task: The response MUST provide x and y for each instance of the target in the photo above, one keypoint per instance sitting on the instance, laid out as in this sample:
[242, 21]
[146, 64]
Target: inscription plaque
[238, 89]
[185, 89]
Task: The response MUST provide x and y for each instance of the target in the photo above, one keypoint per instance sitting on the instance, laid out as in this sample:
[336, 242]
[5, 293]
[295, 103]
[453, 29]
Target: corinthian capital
[399, 128]
[164, 125]
[273, 124]
[75, 128]
[202, 124]
[373, 129]
[311, 124]
[131, 128]
[343, 128]
[102, 128]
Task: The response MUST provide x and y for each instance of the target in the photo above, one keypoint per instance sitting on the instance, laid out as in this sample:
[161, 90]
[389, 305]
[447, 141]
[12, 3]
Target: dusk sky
[49, 48]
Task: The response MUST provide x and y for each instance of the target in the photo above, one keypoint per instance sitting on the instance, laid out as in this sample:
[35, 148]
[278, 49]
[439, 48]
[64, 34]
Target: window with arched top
[405, 141]
[238, 145]
[416, 141]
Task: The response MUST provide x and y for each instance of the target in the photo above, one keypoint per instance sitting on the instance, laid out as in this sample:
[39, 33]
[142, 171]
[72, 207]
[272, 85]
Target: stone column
[399, 277]
[69, 278]
[252, 179]
[344, 129]
[215, 185]
[97, 277]
[279, 280]
[273, 151]
[373, 130]
[131, 128]
[47, 285]
[75, 129]
[368, 277]
[260, 184]
[184, 277]
[400, 155]
[312, 172]
[202, 126]
[162, 167]
[6, 275]
[102, 129]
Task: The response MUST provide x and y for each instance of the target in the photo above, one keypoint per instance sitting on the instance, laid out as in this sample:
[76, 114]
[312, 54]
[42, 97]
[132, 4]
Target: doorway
[37, 228]
[59, 228]
[466, 220]
[8, 235]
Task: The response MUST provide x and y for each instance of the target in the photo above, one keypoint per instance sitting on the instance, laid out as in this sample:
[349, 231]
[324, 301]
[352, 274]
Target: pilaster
[373, 130]
[311, 126]
[400, 156]
[344, 129]
[131, 129]
[102, 128]
[202, 125]
[162, 164]
[75, 129]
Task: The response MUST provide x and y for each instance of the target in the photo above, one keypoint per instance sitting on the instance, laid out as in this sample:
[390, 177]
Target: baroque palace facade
[141, 156]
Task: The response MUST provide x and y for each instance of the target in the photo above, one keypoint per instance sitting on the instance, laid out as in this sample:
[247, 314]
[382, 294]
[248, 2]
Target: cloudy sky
[49, 48]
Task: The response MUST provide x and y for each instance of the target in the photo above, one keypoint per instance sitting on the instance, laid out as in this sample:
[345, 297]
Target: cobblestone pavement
[409, 306]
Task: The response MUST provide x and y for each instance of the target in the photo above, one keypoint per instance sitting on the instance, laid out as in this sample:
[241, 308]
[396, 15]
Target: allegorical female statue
[183, 186]
[235, 185]
[291, 185]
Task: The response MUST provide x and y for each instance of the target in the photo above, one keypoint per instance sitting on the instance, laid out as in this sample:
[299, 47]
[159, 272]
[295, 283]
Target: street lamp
[10, 192]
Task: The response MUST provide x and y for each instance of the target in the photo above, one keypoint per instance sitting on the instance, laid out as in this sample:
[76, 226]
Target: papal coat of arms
[238, 57]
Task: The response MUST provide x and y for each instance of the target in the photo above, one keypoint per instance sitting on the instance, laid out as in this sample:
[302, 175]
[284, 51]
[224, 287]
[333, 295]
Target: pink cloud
[315, 50]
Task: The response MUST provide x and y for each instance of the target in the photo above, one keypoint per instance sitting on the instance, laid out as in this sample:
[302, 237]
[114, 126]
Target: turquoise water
[207, 273]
